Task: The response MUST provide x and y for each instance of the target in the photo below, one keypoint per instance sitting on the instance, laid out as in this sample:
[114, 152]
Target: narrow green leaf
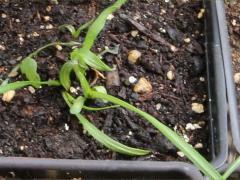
[99, 108]
[233, 166]
[77, 105]
[77, 56]
[103, 138]
[85, 56]
[81, 28]
[21, 84]
[109, 142]
[28, 67]
[83, 81]
[99, 23]
[178, 141]
[65, 73]
[69, 27]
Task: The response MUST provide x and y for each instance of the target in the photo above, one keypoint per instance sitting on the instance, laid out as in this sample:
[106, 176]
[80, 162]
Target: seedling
[75, 33]
[81, 60]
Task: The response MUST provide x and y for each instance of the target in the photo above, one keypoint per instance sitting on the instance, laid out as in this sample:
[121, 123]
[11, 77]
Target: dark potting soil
[38, 124]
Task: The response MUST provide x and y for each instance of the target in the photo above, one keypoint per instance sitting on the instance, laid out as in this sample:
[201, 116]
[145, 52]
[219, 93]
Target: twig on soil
[146, 32]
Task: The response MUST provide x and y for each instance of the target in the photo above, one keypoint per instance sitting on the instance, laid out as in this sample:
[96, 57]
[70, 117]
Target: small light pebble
[17, 20]
[132, 79]
[237, 78]
[187, 40]
[158, 106]
[130, 133]
[186, 138]
[20, 36]
[162, 30]
[31, 90]
[202, 79]
[197, 108]
[134, 33]
[180, 153]
[2, 47]
[170, 75]
[21, 40]
[59, 47]
[4, 16]
[162, 11]
[48, 8]
[193, 98]
[73, 90]
[46, 18]
[13, 74]
[143, 86]
[49, 26]
[190, 126]
[234, 22]
[175, 127]
[133, 56]
[201, 13]
[173, 48]
[21, 148]
[8, 96]
[66, 126]
[197, 126]
[198, 146]
[35, 34]
[110, 17]
[1, 152]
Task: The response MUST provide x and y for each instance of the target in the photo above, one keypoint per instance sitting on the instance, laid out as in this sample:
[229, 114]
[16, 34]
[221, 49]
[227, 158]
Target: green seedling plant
[81, 60]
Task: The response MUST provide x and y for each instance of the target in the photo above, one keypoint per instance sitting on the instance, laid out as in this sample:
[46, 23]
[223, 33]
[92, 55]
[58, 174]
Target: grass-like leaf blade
[103, 138]
[64, 75]
[178, 141]
[75, 33]
[233, 166]
[81, 78]
[77, 56]
[77, 105]
[87, 57]
[70, 28]
[109, 142]
[21, 84]
[99, 24]
[28, 67]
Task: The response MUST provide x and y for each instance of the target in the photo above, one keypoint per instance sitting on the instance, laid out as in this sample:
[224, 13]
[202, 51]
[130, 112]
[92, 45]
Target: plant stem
[232, 168]
[99, 108]
[82, 80]
[71, 43]
[179, 142]
[21, 84]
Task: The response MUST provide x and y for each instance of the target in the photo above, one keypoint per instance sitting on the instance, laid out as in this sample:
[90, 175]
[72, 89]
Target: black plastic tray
[231, 88]
[35, 167]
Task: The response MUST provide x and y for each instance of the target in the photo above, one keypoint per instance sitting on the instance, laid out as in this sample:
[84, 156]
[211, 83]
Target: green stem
[232, 168]
[179, 142]
[82, 80]
[71, 43]
[71, 100]
[21, 84]
[99, 108]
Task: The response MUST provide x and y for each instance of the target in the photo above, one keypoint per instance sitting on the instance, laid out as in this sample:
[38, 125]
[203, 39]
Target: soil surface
[38, 124]
[233, 15]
